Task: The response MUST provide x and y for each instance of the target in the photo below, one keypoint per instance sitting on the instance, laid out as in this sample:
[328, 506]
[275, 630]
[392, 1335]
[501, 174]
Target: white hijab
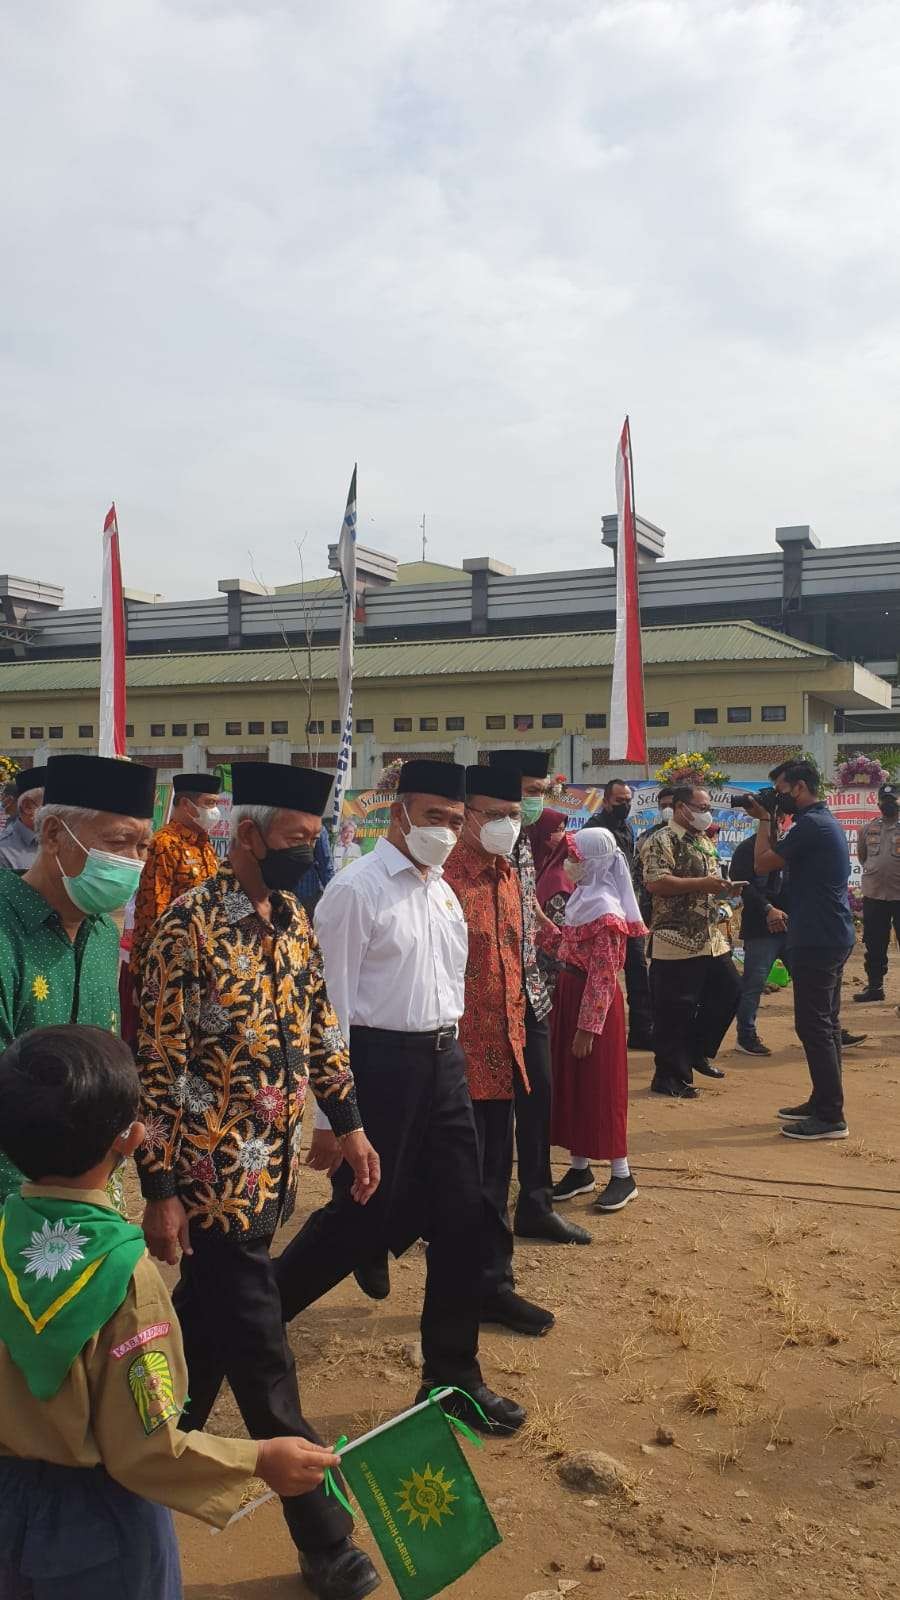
[606, 889]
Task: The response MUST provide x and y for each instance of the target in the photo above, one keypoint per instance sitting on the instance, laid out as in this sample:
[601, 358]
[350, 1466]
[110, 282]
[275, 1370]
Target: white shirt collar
[395, 862]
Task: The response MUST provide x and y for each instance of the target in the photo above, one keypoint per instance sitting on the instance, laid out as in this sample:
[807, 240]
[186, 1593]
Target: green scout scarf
[65, 1267]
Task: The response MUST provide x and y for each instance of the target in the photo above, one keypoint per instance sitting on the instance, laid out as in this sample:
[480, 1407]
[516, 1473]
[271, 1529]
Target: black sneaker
[814, 1128]
[342, 1572]
[675, 1091]
[578, 1180]
[510, 1310]
[848, 1039]
[617, 1194]
[752, 1046]
[867, 994]
[796, 1113]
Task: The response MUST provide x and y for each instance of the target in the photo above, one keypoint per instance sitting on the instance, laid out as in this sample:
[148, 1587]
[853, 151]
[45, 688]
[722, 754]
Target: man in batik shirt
[535, 1217]
[235, 1024]
[492, 1027]
[180, 857]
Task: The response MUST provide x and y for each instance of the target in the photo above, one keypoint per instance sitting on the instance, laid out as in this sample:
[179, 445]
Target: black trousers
[494, 1131]
[694, 1002]
[417, 1112]
[879, 916]
[816, 974]
[533, 1125]
[637, 990]
[229, 1308]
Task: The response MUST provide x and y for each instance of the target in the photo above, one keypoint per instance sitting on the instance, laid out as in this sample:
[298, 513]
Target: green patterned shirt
[46, 977]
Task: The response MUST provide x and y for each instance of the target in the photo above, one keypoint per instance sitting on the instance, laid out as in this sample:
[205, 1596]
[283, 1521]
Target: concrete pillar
[465, 751]
[193, 757]
[369, 763]
[581, 750]
[280, 752]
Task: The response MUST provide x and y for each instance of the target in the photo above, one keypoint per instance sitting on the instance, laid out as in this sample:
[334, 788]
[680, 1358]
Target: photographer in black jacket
[764, 936]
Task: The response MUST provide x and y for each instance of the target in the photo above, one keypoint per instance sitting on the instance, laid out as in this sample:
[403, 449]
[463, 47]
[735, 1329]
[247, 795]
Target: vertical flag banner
[420, 1498]
[112, 644]
[347, 569]
[627, 723]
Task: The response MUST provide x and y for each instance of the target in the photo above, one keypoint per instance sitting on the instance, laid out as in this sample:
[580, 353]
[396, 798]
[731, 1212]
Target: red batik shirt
[492, 1028]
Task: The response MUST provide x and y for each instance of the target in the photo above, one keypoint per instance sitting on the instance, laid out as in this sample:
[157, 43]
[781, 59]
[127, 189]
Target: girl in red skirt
[587, 1025]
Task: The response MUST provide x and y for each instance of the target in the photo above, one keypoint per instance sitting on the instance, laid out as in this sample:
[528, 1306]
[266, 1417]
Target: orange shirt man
[492, 1029]
[180, 857]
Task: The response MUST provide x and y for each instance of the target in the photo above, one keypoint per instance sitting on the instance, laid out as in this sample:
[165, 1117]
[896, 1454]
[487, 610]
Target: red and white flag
[627, 725]
[112, 644]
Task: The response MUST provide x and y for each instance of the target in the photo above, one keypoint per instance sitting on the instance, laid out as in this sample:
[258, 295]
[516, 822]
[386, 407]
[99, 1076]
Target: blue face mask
[104, 883]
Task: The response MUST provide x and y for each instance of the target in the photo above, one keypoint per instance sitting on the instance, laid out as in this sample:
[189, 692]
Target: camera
[767, 798]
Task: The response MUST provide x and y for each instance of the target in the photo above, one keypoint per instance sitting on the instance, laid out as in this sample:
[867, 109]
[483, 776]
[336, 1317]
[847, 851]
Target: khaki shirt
[120, 1404]
[683, 925]
[878, 849]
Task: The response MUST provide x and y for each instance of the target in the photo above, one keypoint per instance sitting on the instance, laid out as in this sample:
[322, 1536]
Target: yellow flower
[40, 988]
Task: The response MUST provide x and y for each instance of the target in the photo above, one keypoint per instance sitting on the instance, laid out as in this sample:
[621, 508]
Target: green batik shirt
[46, 977]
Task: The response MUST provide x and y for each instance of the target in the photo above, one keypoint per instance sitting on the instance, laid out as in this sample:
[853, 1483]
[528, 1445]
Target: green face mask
[105, 882]
[532, 806]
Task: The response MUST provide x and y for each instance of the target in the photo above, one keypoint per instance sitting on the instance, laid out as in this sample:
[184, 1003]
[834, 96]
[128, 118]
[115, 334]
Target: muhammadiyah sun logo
[427, 1496]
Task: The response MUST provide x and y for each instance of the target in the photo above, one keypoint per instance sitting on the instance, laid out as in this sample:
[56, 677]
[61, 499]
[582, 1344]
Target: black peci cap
[30, 778]
[444, 778]
[196, 783]
[530, 763]
[269, 783]
[888, 791]
[100, 783]
[496, 783]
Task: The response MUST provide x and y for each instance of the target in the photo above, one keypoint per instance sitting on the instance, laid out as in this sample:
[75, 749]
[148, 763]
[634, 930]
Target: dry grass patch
[784, 1228]
[882, 1355]
[859, 1150]
[801, 1324]
[639, 1391]
[846, 1417]
[517, 1360]
[692, 1322]
[545, 1434]
[719, 1392]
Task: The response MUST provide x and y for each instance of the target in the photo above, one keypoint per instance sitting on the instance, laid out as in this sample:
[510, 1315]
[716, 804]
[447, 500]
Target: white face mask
[429, 846]
[499, 835]
[576, 870]
[666, 813]
[701, 820]
[208, 816]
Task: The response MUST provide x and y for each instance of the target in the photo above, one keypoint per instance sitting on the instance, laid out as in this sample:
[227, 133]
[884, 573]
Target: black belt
[437, 1038]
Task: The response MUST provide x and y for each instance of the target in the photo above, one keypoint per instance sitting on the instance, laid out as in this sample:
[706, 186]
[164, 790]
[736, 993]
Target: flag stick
[637, 576]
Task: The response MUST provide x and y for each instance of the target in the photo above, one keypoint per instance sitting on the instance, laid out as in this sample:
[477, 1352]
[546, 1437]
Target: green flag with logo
[420, 1498]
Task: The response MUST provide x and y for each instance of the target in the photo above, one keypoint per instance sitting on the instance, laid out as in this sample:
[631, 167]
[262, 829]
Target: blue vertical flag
[347, 570]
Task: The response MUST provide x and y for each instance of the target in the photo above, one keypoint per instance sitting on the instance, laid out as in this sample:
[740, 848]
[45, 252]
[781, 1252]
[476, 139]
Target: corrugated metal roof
[698, 642]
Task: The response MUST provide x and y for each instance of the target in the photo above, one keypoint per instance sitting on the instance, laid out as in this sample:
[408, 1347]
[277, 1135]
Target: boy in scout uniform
[92, 1373]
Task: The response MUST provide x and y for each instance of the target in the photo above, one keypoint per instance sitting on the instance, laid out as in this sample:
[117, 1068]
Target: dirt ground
[748, 1302]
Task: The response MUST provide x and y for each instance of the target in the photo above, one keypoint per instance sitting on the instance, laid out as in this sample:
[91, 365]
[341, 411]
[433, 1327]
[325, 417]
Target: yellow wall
[677, 690]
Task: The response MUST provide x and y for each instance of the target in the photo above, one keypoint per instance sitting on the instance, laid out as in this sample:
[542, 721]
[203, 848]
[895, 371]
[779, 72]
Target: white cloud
[251, 243]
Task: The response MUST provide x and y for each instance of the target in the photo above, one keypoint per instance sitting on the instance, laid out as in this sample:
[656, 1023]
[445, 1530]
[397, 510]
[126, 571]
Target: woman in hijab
[546, 837]
[587, 1025]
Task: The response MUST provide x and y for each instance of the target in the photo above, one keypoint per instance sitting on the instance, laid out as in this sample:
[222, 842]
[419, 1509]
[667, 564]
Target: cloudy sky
[248, 243]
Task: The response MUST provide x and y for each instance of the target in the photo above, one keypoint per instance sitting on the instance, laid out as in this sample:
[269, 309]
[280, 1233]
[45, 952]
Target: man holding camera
[693, 980]
[819, 939]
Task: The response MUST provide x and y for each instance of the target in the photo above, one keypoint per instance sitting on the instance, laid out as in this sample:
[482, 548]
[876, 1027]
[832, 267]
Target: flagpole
[637, 569]
[347, 570]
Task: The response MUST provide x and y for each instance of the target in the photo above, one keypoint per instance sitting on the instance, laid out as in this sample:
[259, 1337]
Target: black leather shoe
[552, 1227]
[706, 1068]
[675, 1091]
[374, 1278]
[870, 992]
[504, 1416]
[342, 1572]
[512, 1311]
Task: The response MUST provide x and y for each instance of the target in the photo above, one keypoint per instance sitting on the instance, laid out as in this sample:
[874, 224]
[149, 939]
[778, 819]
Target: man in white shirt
[395, 945]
